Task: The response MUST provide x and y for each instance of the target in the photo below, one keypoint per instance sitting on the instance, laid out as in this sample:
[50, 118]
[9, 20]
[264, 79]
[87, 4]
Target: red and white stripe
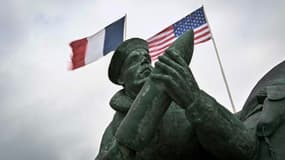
[158, 43]
[161, 41]
[202, 34]
[87, 50]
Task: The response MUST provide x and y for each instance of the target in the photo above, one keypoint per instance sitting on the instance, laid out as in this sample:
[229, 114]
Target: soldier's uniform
[206, 130]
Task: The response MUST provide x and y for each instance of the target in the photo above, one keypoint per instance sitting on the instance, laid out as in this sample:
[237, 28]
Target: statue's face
[136, 69]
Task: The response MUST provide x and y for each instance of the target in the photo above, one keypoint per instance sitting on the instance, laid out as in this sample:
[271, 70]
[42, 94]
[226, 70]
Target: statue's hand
[177, 78]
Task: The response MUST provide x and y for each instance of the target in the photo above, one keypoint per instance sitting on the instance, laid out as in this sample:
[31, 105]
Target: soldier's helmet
[121, 53]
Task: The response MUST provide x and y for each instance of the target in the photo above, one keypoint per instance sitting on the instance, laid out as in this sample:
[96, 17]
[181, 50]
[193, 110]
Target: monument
[162, 114]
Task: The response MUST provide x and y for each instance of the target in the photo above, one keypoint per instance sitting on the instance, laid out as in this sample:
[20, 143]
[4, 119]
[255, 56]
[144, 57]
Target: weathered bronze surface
[162, 114]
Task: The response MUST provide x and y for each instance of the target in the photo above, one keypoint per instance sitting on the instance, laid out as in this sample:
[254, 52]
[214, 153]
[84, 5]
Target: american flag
[162, 40]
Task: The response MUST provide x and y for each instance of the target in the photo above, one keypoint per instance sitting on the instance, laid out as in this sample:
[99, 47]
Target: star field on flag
[162, 40]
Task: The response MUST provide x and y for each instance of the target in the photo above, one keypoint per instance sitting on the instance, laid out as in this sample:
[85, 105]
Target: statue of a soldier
[161, 113]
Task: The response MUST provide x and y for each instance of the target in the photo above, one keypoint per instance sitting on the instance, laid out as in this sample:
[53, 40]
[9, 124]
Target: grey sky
[47, 112]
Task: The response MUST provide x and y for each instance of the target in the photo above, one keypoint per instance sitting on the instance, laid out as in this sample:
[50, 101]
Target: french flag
[89, 49]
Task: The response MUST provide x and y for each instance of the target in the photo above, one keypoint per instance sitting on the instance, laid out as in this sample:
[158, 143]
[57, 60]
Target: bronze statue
[162, 113]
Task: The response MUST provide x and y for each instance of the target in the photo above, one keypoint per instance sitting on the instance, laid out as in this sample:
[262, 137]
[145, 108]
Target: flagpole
[220, 65]
[125, 27]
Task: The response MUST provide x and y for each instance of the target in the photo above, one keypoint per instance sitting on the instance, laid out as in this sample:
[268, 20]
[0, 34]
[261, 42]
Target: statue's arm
[106, 142]
[109, 147]
[219, 131]
[108, 137]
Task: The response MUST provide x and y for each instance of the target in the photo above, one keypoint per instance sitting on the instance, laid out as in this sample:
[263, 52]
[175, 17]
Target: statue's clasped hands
[176, 78]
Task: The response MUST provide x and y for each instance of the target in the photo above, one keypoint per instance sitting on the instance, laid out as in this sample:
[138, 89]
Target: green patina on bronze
[139, 125]
[162, 114]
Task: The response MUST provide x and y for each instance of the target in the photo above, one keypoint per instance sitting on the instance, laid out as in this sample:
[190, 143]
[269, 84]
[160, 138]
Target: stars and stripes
[162, 40]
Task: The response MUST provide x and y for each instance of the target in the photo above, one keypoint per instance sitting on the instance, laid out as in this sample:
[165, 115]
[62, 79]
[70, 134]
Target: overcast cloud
[49, 113]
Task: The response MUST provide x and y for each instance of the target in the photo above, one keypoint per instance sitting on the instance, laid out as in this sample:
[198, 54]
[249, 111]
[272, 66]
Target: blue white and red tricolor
[89, 49]
[162, 40]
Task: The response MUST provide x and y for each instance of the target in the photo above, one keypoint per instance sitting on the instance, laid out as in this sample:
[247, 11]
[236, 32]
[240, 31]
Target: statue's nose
[145, 60]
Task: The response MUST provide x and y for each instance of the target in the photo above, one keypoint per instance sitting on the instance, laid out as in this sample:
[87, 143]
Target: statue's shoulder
[273, 111]
[120, 102]
[276, 92]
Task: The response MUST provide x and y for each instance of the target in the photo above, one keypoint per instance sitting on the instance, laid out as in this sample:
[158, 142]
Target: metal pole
[125, 28]
[220, 65]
